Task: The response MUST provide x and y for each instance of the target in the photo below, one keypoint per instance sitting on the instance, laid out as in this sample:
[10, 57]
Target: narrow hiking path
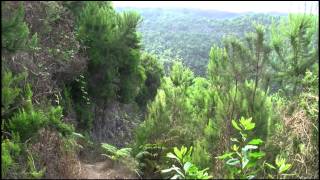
[105, 170]
[92, 165]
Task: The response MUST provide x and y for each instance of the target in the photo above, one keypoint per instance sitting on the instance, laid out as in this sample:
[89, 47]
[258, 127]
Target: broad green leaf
[270, 166]
[246, 123]
[183, 150]
[225, 155]
[255, 142]
[235, 125]
[257, 155]
[280, 161]
[177, 152]
[178, 170]
[249, 147]
[234, 139]
[186, 166]
[233, 162]
[244, 162]
[172, 156]
[284, 168]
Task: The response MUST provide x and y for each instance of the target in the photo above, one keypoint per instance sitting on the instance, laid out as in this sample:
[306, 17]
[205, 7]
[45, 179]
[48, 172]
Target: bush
[55, 116]
[186, 169]
[14, 30]
[242, 161]
[114, 69]
[10, 90]
[154, 72]
[27, 123]
[9, 151]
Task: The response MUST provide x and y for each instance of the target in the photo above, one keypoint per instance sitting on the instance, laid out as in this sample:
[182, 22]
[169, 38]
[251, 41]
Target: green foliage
[27, 123]
[154, 72]
[180, 76]
[169, 108]
[218, 64]
[148, 156]
[295, 51]
[9, 151]
[279, 169]
[185, 170]
[242, 161]
[14, 30]
[200, 156]
[113, 48]
[82, 103]
[33, 172]
[55, 116]
[189, 33]
[10, 89]
[66, 99]
[34, 42]
[115, 153]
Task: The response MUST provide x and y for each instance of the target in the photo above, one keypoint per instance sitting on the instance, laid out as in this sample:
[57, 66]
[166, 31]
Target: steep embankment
[40, 42]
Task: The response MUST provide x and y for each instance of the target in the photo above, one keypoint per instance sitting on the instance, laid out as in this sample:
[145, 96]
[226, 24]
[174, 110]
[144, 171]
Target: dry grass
[60, 162]
[296, 139]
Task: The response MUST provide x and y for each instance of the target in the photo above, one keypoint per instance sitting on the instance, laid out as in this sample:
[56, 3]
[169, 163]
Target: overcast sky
[230, 6]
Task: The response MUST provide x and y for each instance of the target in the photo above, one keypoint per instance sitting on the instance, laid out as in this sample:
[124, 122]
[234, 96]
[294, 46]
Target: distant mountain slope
[190, 33]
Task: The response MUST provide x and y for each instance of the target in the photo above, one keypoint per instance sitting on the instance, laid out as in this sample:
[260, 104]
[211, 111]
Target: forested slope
[81, 97]
[189, 33]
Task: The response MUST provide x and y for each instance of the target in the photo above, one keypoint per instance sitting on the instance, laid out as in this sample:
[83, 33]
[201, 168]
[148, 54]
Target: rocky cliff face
[115, 122]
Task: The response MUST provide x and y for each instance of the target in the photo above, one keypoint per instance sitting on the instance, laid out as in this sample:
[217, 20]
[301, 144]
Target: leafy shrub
[280, 168]
[154, 72]
[148, 157]
[242, 161]
[185, 170]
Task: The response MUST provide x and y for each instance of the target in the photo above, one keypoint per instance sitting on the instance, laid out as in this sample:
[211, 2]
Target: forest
[91, 91]
[188, 34]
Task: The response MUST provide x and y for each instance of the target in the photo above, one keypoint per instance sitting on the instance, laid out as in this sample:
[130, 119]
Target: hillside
[93, 92]
[189, 33]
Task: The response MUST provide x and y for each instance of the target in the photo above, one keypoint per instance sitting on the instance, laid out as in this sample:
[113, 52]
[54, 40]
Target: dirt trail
[105, 170]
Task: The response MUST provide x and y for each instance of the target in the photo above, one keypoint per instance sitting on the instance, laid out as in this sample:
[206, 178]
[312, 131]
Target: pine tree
[154, 72]
[113, 46]
[14, 29]
[295, 51]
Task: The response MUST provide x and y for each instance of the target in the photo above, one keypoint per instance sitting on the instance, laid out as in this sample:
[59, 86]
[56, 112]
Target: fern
[115, 153]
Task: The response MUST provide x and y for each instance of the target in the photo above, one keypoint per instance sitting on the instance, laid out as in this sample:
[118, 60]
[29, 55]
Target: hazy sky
[231, 6]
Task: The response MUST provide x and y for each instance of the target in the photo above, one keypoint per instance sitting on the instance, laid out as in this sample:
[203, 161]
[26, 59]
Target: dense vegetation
[79, 80]
[188, 34]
